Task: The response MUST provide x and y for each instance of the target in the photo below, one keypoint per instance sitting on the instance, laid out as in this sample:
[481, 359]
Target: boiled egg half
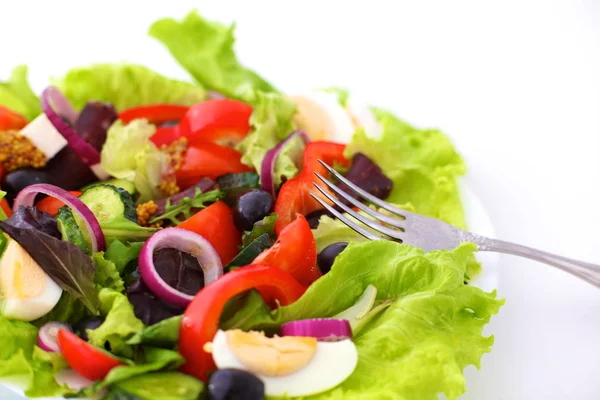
[26, 291]
[322, 117]
[288, 365]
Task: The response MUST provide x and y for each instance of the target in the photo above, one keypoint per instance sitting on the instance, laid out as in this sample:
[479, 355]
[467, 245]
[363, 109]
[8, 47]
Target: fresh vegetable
[51, 205]
[56, 107]
[93, 122]
[221, 121]
[205, 50]
[252, 207]
[215, 224]
[328, 255]
[124, 184]
[323, 329]
[267, 169]
[65, 263]
[126, 86]
[122, 254]
[155, 113]
[295, 252]
[201, 318]
[360, 312]
[294, 196]
[182, 240]
[234, 185]
[184, 206]
[27, 291]
[81, 327]
[231, 383]
[161, 334]
[109, 203]
[67, 225]
[10, 120]
[208, 160]
[106, 275]
[5, 210]
[87, 360]
[148, 307]
[163, 385]
[266, 225]
[364, 173]
[47, 336]
[129, 154]
[251, 251]
[288, 365]
[204, 185]
[89, 221]
[17, 96]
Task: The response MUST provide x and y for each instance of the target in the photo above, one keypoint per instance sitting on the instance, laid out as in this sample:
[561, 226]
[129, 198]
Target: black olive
[252, 207]
[235, 384]
[328, 254]
[17, 180]
[314, 217]
[91, 323]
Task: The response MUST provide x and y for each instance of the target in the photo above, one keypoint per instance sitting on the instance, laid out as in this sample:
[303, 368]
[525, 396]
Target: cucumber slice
[109, 203]
[70, 230]
[250, 252]
[120, 183]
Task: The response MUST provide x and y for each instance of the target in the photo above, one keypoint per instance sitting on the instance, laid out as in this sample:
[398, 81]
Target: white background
[515, 84]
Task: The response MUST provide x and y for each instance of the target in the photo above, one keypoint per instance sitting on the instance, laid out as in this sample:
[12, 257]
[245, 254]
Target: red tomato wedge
[10, 120]
[51, 204]
[85, 359]
[208, 160]
[295, 252]
[220, 121]
[201, 319]
[215, 224]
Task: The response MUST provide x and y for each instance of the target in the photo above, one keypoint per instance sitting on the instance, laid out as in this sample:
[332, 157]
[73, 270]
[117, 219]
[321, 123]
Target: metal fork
[430, 233]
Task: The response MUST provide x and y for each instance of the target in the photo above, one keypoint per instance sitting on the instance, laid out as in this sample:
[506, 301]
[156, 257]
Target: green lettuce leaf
[128, 153]
[162, 334]
[271, 122]
[23, 364]
[16, 94]
[125, 86]
[417, 346]
[107, 275]
[265, 225]
[162, 385]
[205, 50]
[68, 309]
[154, 359]
[342, 94]
[122, 254]
[422, 163]
[119, 326]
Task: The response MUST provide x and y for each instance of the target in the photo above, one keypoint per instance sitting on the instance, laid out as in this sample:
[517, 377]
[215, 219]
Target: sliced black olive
[251, 207]
[235, 384]
[328, 254]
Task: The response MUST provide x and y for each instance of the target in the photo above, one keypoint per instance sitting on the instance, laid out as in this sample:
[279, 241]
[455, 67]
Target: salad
[160, 240]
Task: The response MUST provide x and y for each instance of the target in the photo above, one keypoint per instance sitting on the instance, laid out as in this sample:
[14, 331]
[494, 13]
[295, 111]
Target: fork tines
[375, 224]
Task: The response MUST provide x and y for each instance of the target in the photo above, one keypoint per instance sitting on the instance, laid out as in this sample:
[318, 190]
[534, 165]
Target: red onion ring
[267, 168]
[26, 197]
[182, 240]
[47, 340]
[53, 99]
[323, 329]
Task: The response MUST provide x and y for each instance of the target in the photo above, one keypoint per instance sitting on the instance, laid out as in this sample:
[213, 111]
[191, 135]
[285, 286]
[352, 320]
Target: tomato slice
[10, 120]
[220, 121]
[295, 252]
[215, 224]
[156, 113]
[208, 160]
[85, 359]
[201, 319]
[294, 197]
[51, 204]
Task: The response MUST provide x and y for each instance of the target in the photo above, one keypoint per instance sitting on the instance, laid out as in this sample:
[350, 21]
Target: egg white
[332, 363]
[18, 268]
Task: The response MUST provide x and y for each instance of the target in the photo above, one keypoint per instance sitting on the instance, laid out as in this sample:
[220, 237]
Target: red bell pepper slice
[10, 120]
[201, 319]
[221, 121]
[85, 359]
[294, 197]
[295, 252]
[52, 204]
[156, 113]
[215, 224]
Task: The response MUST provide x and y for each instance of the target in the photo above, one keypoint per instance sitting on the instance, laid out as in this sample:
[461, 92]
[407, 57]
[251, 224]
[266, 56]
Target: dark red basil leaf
[147, 307]
[32, 218]
[367, 175]
[179, 270]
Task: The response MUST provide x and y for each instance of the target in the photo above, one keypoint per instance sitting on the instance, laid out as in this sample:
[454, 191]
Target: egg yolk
[312, 119]
[20, 276]
[276, 356]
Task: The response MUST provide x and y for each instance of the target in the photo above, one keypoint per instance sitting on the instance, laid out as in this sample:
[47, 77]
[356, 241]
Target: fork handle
[584, 270]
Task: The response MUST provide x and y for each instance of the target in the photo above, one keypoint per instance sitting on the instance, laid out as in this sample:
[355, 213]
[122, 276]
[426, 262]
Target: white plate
[478, 221]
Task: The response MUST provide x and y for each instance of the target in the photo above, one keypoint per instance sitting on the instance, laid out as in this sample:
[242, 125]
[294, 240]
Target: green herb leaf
[185, 205]
[266, 225]
[16, 94]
